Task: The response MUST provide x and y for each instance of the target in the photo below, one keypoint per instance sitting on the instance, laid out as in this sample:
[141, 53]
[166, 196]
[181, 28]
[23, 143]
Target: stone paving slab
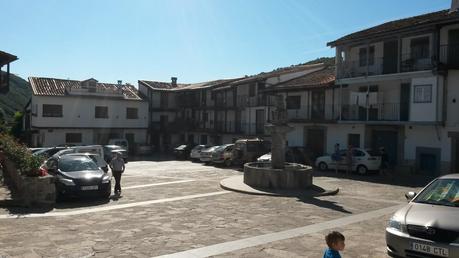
[169, 227]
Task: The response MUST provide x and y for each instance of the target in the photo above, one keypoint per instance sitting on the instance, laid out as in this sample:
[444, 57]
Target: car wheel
[108, 193]
[228, 163]
[362, 170]
[323, 166]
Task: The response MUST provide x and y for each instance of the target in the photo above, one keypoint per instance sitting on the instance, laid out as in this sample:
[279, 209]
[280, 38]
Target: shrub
[28, 164]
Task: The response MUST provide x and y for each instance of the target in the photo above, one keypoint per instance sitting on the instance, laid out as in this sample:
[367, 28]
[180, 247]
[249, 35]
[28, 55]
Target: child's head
[335, 240]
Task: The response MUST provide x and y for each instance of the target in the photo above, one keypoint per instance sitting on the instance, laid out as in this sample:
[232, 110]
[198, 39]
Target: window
[205, 116]
[420, 48]
[73, 137]
[293, 102]
[363, 56]
[261, 85]
[252, 90]
[422, 94]
[101, 112]
[52, 110]
[163, 100]
[132, 113]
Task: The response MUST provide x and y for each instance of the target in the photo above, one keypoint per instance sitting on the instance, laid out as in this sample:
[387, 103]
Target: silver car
[429, 225]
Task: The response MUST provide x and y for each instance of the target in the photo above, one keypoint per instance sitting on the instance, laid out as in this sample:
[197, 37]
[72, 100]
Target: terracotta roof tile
[398, 25]
[184, 86]
[57, 87]
[318, 79]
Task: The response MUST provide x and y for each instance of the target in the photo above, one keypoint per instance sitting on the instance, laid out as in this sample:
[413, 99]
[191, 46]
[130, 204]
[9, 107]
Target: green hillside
[17, 97]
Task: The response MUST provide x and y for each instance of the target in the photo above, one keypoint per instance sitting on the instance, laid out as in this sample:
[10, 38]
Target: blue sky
[194, 40]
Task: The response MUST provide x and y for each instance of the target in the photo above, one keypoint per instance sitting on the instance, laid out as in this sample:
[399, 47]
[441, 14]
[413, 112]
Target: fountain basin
[292, 176]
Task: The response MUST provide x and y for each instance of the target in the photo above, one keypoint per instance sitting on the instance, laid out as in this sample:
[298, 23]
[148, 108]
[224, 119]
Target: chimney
[120, 82]
[174, 81]
[454, 6]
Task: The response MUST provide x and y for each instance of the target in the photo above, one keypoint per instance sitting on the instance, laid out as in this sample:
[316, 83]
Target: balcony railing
[449, 55]
[412, 63]
[386, 65]
[375, 112]
[314, 113]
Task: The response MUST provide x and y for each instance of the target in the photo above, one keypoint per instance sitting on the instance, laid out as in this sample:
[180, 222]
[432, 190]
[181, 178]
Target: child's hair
[333, 238]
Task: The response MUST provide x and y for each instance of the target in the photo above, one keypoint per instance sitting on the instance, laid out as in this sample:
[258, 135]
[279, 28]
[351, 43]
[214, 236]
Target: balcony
[314, 113]
[377, 112]
[449, 56]
[385, 65]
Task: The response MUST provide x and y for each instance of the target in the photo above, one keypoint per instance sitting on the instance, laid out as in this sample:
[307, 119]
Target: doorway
[390, 57]
[389, 141]
[315, 141]
[353, 140]
[260, 122]
[318, 105]
[453, 48]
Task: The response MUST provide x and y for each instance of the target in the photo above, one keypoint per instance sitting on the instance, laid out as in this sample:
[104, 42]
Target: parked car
[33, 150]
[78, 175]
[248, 150]
[183, 151]
[195, 153]
[94, 156]
[48, 152]
[289, 156]
[123, 143]
[362, 161]
[206, 154]
[110, 149]
[143, 149]
[222, 154]
[427, 226]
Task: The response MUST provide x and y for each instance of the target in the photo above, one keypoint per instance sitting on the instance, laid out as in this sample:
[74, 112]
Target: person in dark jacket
[117, 167]
[384, 161]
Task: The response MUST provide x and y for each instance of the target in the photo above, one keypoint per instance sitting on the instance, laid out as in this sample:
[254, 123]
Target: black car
[48, 152]
[78, 175]
[183, 151]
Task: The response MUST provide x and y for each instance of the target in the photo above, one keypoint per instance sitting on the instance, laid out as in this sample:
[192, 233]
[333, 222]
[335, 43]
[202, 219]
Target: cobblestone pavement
[177, 207]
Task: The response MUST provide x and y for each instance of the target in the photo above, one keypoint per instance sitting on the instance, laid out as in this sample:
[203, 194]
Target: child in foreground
[335, 242]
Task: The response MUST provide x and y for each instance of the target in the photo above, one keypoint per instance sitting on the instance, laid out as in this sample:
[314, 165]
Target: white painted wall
[54, 137]
[338, 133]
[452, 99]
[427, 136]
[79, 112]
[424, 112]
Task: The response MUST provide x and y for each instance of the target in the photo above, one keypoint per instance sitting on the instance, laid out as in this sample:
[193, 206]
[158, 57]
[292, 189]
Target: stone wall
[31, 191]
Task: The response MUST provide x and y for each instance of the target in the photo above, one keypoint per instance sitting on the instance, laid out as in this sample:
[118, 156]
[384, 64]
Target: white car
[362, 161]
[195, 153]
[206, 154]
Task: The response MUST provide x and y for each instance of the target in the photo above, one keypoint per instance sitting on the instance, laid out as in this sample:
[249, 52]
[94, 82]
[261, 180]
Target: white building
[214, 112]
[398, 85]
[85, 112]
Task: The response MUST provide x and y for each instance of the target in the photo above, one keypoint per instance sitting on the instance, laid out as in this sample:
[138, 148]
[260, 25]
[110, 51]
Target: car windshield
[441, 192]
[73, 164]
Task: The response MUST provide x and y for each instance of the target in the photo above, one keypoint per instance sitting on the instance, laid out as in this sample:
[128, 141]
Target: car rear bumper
[399, 245]
[205, 159]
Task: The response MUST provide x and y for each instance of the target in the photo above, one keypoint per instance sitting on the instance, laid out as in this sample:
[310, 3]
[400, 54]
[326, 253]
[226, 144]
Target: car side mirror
[410, 195]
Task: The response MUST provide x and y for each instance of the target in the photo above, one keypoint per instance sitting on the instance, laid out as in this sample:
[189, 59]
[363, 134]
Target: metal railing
[374, 112]
[314, 113]
[449, 55]
[411, 62]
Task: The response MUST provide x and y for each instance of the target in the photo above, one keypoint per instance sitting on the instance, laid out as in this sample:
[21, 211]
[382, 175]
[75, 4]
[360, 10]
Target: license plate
[89, 187]
[430, 249]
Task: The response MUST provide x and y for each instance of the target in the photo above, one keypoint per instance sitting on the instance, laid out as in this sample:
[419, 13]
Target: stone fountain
[278, 175]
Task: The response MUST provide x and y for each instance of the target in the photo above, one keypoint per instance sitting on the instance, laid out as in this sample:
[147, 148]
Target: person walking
[384, 161]
[117, 167]
[349, 161]
[336, 157]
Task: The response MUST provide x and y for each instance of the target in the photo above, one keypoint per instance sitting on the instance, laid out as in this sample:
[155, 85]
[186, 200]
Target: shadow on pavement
[322, 203]
[72, 203]
[391, 179]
